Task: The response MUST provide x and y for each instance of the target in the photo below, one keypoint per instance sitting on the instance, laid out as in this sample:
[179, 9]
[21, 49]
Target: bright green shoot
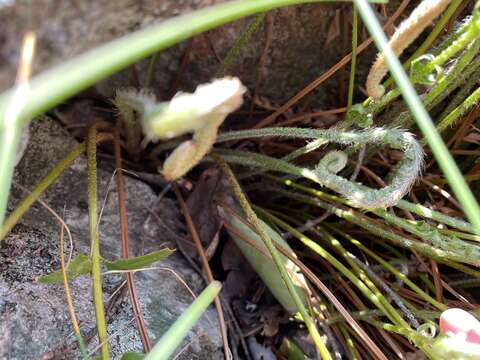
[440, 151]
[167, 344]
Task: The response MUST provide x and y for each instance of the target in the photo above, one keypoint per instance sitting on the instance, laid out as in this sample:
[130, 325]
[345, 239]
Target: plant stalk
[95, 242]
[253, 219]
[439, 150]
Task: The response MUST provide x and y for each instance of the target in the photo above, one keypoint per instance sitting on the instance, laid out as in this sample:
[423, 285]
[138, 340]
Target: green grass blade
[52, 87]
[353, 63]
[92, 197]
[167, 344]
[439, 149]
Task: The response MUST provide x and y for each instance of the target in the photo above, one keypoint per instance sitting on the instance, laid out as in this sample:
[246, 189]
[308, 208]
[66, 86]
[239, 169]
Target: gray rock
[33, 316]
[299, 51]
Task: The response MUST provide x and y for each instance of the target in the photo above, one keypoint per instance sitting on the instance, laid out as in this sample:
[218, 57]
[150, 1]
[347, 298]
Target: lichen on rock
[33, 316]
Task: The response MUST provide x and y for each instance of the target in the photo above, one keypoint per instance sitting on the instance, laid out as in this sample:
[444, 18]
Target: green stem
[461, 235]
[253, 219]
[375, 107]
[169, 341]
[234, 52]
[353, 63]
[9, 138]
[404, 175]
[423, 230]
[461, 94]
[370, 314]
[402, 204]
[435, 215]
[469, 102]
[374, 297]
[48, 89]
[439, 149]
[42, 186]
[460, 267]
[470, 252]
[458, 44]
[368, 224]
[95, 241]
[369, 280]
[457, 75]
[349, 344]
[398, 274]
[465, 283]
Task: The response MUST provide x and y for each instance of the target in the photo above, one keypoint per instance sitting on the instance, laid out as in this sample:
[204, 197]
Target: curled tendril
[408, 31]
[402, 178]
[201, 112]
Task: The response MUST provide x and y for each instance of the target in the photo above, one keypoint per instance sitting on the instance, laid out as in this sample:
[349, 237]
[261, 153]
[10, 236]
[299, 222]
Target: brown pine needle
[142, 329]
[206, 268]
[68, 295]
[329, 73]
[315, 280]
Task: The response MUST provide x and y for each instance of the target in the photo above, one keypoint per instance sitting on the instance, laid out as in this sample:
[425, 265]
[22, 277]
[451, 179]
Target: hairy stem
[404, 176]
[25, 204]
[369, 224]
[402, 204]
[95, 241]
[234, 52]
[406, 33]
[459, 111]
[424, 122]
[432, 35]
[253, 219]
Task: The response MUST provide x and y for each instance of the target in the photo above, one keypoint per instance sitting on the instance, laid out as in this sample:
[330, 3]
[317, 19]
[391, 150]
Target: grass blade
[439, 149]
[175, 334]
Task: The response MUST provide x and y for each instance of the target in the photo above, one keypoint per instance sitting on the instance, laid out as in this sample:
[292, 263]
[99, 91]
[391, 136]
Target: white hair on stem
[201, 112]
[423, 15]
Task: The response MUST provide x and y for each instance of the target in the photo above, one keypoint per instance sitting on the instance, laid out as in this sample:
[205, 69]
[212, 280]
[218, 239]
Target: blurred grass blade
[133, 356]
[167, 344]
[60, 83]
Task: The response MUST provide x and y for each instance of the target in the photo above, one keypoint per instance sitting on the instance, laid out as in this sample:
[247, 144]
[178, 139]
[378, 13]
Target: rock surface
[305, 41]
[33, 317]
